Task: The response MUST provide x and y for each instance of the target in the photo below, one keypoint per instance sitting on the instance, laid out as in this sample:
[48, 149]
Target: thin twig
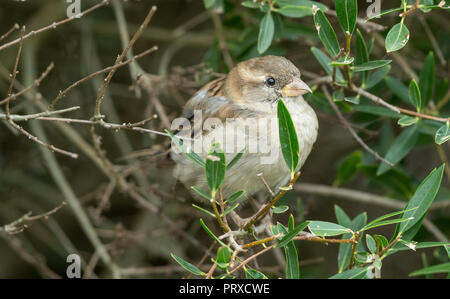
[55, 24]
[105, 70]
[13, 28]
[36, 83]
[350, 128]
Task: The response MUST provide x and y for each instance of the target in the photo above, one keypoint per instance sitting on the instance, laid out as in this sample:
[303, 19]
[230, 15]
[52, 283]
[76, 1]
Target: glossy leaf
[288, 137]
[442, 268]
[345, 250]
[295, 11]
[371, 244]
[235, 196]
[215, 168]
[326, 32]
[236, 158]
[414, 94]
[355, 273]
[279, 209]
[371, 65]
[202, 223]
[407, 121]
[266, 33]
[254, 274]
[223, 257]
[324, 229]
[291, 234]
[188, 266]
[303, 3]
[420, 202]
[347, 12]
[397, 37]
[442, 134]
[400, 148]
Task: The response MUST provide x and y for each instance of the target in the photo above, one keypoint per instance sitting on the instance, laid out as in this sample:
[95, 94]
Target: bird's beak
[295, 89]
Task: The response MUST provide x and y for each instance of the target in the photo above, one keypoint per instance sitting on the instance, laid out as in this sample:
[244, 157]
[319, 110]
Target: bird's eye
[270, 81]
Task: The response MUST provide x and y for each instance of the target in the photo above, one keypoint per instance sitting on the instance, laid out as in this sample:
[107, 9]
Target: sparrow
[246, 98]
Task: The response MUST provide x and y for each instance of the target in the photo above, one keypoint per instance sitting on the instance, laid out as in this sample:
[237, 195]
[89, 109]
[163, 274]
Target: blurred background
[139, 240]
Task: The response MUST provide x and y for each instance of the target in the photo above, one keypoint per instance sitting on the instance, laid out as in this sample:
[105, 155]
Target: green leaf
[295, 11]
[361, 54]
[184, 149]
[372, 223]
[354, 100]
[215, 168]
[377, 110]
[371, 65]
[407, 121]
[325, 61]
[355, 273]
[211, 233]
[414, 94]
[204, 210]
[426, 79]
[291, 234]
[188, 266]
[302, 3]
[236, 158]
[421, 200]
[347, 12]
[326, 32]
[201, 192]
[223, 257]
[235, 196]
[377, 76]
[229, 209]
[442, 134]
[288, 137]
[381, 240]
[341, 217]
[254, 274]
[327, 229]
[348, 168]
[266, 32]
[397, 37]
[371, 244]
[442, 268]
[279, 209]
[251, 4]
[400, 148]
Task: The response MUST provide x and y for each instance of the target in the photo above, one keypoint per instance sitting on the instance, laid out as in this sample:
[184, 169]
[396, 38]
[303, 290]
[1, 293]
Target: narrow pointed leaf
[326, 32]
[442, 268]
[209, 232]
[288, 137]
[400, 148]
[290, 235]
[347, 12]
[235, 196]
[377, 76]
[215, 168]
[421, 200]
[414, 94]
[295, 11]
[324, 229]
[355, 273]
[371, 65]
[266, 32]
[236, 158]
[188, 266]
